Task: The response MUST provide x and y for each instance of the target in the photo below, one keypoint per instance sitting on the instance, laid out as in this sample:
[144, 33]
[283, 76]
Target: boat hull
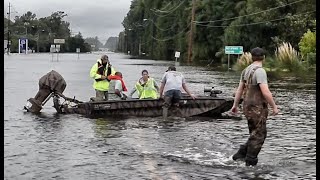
[201, 106]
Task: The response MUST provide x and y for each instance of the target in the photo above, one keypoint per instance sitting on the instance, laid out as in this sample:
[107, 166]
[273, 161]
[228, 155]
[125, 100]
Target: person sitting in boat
[117, 87]
[171, 84]
[99, 72]
[146, 87]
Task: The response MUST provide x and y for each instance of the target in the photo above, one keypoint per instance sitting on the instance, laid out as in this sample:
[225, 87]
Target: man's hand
[103, 77]
[234, 109]
[193, 96]
[275, 110]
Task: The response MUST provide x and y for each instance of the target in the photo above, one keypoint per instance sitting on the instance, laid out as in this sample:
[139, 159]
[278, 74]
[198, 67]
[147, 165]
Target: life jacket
[115, 77]
[146, 90]
[102, 71]
[252, 94]
[95, 73]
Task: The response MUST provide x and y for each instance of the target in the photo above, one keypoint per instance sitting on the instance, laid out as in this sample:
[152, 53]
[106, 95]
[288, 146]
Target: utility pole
[191, 32]
[8, 43]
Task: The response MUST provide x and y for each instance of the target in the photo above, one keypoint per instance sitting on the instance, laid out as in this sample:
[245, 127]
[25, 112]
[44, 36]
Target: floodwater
[54, 146]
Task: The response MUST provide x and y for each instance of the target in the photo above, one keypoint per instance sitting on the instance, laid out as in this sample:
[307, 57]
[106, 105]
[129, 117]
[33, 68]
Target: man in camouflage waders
[256, 97]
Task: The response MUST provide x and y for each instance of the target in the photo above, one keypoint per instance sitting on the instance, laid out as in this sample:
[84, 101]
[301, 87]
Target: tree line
[156, 29]
[41, 33]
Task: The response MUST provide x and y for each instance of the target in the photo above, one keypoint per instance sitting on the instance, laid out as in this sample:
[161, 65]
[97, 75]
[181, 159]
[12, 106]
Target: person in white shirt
[117, 87]
[172, 83]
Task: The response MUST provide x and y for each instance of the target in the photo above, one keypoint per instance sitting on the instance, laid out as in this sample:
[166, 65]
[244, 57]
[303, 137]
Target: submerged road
[53, 146]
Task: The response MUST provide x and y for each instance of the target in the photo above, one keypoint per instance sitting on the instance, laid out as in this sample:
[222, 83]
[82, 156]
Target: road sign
[78, 50]
[23, 45]
[233, 49]
[59, 41]
[177, 54]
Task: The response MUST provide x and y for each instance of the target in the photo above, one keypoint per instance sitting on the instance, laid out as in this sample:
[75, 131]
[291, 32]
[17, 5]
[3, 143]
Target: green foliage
[244, 60]
[249, 23]
[41, 32]
[307, 43]
[288, 57]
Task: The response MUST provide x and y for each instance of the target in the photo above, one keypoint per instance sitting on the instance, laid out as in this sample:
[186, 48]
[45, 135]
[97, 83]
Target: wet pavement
[54, 146]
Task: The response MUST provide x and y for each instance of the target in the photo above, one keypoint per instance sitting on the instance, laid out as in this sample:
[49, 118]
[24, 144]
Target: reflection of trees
[108, 128]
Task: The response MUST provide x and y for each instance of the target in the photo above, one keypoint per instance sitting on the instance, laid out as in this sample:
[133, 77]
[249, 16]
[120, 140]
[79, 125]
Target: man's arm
[161, 89]
[268, 96]
[94, 74]
[238, 94]
[132, 91]
[156, 85]
[237, 97]
[184, 86]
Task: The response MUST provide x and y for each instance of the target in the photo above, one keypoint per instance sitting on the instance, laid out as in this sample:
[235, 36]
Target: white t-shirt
[114, 84]
[173, 80]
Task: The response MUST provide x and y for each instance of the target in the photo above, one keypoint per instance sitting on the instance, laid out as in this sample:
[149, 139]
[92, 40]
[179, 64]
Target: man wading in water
[256, 97]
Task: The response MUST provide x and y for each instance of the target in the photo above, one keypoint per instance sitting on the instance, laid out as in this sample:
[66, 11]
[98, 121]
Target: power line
[249, 14]
[155, 11]
[261, 22]
[161, 29]
[166, 39]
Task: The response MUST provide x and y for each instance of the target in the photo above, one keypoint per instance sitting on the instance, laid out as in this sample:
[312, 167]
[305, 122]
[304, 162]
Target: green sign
[233, 49]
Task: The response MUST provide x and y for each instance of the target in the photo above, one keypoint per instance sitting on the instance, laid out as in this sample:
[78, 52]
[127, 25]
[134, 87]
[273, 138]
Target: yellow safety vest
[100, 85]
[148, 90]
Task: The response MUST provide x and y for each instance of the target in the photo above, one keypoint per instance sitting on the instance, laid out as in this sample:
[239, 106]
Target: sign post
[78, 51]
[52, 50]
[57, 46]
[58, 50]
[177, 55]
[232, 50]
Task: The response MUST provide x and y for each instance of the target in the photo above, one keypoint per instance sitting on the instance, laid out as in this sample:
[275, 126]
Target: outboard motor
[213, 93]
[48, 84]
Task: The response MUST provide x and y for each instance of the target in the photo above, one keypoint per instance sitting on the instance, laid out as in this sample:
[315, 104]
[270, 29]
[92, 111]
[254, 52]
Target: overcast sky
[92, 18]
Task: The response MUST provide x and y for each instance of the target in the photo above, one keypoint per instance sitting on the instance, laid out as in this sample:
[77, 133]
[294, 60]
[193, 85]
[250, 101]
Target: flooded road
[53, 146]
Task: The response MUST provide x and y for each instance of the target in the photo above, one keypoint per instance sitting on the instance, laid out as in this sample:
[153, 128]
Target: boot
[241, 154]
[251, 161]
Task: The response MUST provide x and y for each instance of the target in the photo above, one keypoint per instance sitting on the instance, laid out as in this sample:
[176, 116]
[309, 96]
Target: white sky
[92, 18]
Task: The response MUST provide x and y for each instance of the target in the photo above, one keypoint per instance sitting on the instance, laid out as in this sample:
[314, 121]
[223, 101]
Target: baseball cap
[171, 68]
[104, 57]
[257, 52]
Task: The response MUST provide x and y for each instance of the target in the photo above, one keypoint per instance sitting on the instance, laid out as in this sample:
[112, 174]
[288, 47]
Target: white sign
[58, 48]
[78, 50]
[53, 48]
[59, 41]
[177, 54]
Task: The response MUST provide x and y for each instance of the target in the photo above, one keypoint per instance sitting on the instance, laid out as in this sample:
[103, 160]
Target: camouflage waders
[255, 109]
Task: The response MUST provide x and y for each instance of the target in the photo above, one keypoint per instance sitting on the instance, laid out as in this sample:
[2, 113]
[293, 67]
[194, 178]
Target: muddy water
[53, 146]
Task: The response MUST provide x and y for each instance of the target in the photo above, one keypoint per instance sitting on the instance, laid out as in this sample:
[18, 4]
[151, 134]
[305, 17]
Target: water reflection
[108, 127]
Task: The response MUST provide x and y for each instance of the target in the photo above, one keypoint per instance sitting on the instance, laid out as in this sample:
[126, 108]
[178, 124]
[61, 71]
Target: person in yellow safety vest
[99, 72]
[146, 87]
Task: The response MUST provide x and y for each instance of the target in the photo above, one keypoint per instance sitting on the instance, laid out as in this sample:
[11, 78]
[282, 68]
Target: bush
[244, 60]
[288, 57]
[307, 43]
